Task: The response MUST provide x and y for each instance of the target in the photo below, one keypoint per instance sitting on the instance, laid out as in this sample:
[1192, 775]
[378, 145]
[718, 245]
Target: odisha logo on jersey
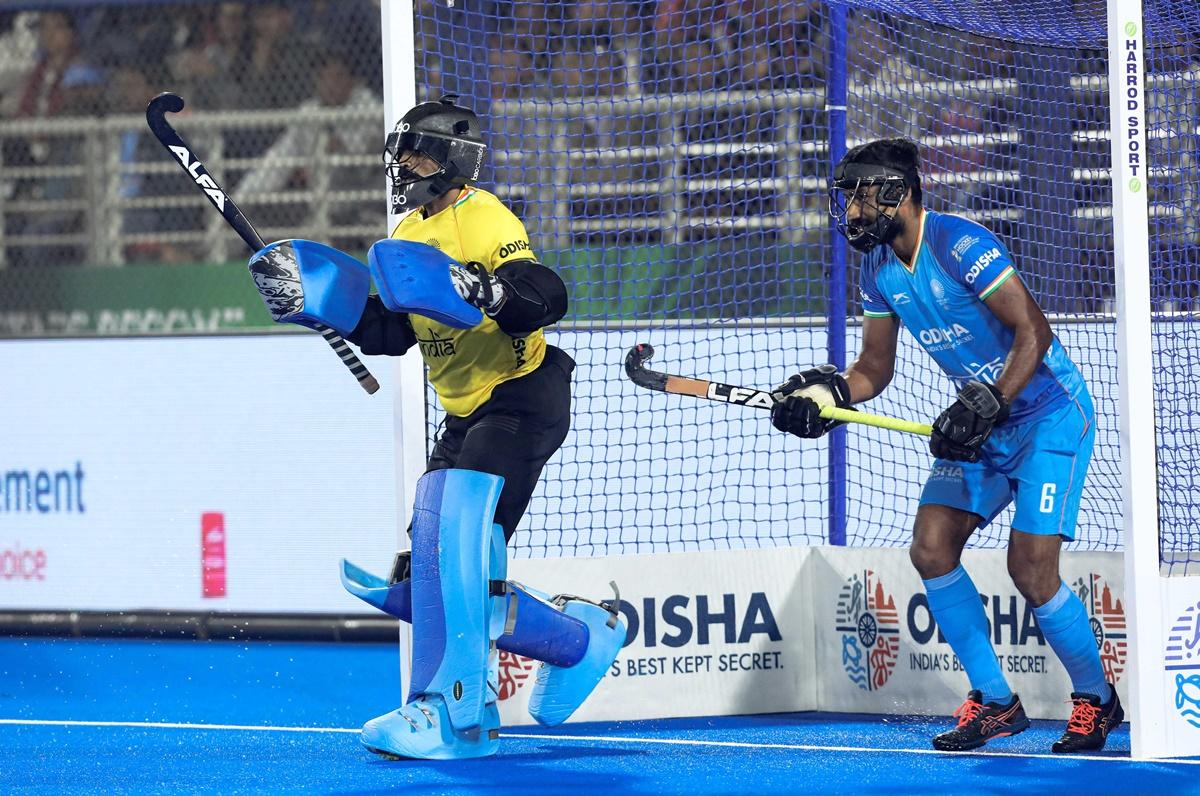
[513, 248]
[940, 337]
[985, 259]
[1107, 618]
[1183, 662]
[868, 624]
[514, 671]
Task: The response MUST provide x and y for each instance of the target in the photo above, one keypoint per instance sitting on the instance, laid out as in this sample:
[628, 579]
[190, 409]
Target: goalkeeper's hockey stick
[746, 396]
[156, 117]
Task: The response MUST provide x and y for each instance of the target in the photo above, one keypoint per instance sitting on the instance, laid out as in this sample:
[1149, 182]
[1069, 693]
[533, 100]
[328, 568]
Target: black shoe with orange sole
[980, 722]
[1090, 723]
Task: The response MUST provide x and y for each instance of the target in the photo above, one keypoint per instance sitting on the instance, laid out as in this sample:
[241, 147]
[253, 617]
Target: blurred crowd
[226, 56]
[960, 95]
[110, 59]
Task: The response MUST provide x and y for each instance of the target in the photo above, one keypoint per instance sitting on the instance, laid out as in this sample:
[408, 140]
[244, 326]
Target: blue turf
[315, 685]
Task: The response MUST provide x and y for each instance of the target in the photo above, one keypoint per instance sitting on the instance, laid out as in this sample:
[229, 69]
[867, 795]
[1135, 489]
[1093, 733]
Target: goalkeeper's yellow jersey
[466, 365]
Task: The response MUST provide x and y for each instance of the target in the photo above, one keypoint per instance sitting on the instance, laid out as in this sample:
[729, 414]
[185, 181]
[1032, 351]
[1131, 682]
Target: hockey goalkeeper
[459, 280]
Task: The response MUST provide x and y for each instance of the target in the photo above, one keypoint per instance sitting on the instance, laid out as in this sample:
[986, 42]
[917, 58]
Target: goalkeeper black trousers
[513, 434]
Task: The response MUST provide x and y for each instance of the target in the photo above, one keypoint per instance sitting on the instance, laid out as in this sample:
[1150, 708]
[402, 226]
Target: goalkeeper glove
[478, 287]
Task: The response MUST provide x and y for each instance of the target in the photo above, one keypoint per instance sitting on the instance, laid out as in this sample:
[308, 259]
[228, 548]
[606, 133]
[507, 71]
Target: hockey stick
[156, 117]
[745, 396]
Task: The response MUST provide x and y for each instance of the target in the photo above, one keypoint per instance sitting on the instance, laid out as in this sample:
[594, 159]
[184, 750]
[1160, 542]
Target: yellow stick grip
[850, 416]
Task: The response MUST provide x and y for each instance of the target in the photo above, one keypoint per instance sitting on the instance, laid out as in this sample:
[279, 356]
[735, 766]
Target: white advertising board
[834, 629]
[195, 474]
[880, 651]
[709, 634]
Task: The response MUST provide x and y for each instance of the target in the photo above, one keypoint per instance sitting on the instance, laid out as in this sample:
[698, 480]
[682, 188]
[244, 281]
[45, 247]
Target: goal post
[408, 399]
[1161, 605]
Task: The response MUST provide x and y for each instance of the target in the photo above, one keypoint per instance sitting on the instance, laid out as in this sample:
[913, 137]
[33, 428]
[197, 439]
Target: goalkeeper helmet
[446, 133]
[892, 165]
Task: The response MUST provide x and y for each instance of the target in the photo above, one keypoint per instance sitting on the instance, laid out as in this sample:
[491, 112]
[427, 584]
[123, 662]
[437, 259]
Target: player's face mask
[411, 189]
[863, 200]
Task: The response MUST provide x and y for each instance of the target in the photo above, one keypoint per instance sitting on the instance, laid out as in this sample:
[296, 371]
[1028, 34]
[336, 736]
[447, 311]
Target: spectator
[275, 72]
[350, 28]
[616, 26]
[513, 72]
[589, 71]
[776, 43]
[949, 159]
[535, 23]
[601, 137]
[60, 68]
[18, 53]
[692, 49]
[135, 35]
[127, 91]
[288, 163]
[61, 83]
[514, 135]
[887, 98]
[206, 70]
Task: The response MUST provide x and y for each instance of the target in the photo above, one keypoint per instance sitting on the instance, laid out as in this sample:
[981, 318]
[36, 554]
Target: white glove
[477, 287]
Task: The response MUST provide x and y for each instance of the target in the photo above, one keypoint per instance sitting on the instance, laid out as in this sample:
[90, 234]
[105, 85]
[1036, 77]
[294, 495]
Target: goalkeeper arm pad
[535, 297]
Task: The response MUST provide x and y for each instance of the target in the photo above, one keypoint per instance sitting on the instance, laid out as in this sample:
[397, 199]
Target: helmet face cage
[398, 143]
[459, 162]
[849, 185]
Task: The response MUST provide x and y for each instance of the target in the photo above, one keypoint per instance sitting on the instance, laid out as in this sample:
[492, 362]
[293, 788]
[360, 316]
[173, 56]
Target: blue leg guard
[449, 714]
[576, 640]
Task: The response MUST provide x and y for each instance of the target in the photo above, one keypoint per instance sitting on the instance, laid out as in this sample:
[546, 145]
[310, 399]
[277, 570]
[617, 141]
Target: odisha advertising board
[679, 620]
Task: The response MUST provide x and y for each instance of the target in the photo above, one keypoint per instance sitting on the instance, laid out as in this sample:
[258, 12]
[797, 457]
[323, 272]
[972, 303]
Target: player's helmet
[892, 164]
[447, 133]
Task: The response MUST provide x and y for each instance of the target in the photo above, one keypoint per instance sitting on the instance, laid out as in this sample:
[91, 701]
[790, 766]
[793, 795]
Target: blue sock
[1064, 622]
[954, 602]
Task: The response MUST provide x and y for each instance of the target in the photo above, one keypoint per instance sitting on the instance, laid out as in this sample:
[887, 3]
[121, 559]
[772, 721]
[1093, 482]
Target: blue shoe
[421, 730]
[560, 690]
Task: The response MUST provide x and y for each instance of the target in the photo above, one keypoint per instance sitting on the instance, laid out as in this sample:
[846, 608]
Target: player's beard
[894, 229]
[880, 232]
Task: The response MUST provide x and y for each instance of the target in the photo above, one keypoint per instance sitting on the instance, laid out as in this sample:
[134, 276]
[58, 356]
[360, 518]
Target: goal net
[670, 161]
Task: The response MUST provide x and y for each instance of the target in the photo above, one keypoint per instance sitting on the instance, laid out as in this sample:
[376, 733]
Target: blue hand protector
[311, 284]
[414, 277]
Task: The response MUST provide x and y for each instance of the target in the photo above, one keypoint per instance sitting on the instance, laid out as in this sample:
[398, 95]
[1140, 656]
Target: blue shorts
[1041, 464]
